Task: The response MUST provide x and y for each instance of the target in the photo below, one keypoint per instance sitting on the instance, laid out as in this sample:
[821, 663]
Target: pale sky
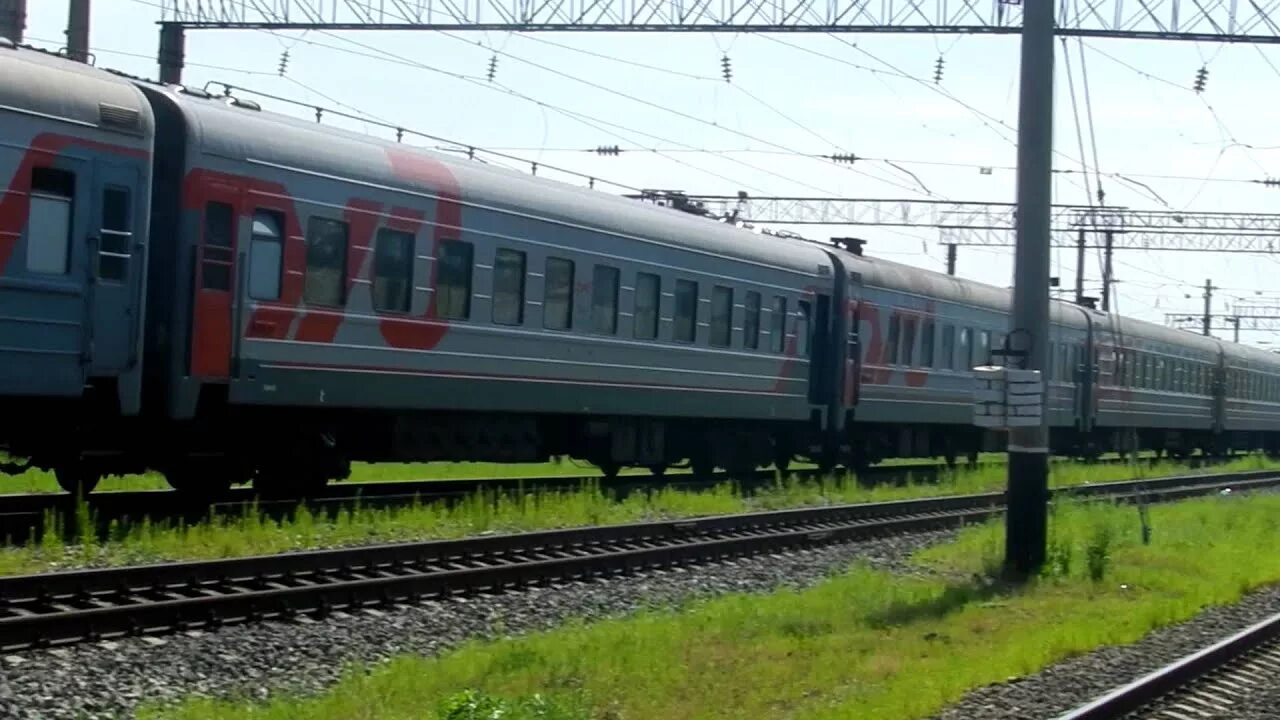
[791, 95]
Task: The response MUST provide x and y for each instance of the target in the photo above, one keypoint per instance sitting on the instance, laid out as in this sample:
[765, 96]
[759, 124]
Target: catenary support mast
[1026, 522]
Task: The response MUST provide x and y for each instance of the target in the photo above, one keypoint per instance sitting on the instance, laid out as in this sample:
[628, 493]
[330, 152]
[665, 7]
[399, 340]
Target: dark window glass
[948, 347]
[557, 300]
[216, 255]
[453, 280]
[964, 349]
[393, 270]
[266, 252]
[908, 341]
[508, 287]
[686, 317]
[894, 339]
[114, 241]
[721, 316]
[803, 330]
[751, 321]
[324, 283]
[984, 347]
[604, 300]
[648, 294]
[778, 325]
[926, 344]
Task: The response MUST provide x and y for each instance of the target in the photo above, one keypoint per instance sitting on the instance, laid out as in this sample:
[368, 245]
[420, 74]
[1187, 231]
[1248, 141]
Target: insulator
[725, 68]
[844, 158]
[284, 62]
[493, 66]
[937, 70]
[608, 150]
[1202, 75]
[1271, 182]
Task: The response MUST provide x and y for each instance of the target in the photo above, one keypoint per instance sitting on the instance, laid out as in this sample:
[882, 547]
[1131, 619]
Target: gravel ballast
[108, 679]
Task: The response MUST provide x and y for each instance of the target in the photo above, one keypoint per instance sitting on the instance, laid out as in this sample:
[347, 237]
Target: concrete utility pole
[78, 30]
[1080, 267]
[13, 19]
[1208, 306]
[1106, 272]
[1026, 521]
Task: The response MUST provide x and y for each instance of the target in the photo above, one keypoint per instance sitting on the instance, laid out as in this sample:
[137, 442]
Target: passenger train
[194, 285]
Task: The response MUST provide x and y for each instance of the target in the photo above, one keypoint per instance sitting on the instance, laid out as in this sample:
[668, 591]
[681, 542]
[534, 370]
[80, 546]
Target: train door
[815, 315]
[214, 275]
[853, 345]
[114, 272]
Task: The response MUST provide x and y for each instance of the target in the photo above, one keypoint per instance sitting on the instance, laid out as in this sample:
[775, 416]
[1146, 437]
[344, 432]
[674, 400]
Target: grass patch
[39, 481]
[864, 644]
[252, 533]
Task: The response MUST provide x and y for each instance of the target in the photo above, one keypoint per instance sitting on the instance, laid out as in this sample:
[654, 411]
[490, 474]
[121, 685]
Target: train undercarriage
[289, 452]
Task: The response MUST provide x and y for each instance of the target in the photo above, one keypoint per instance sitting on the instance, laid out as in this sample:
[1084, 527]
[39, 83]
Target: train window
[508, 286]
[926, 344]
[453, 279]
[803, 328]
[948, 347]
[751, 321]
[908, 341]
[721, 316]
[894, 338]
[778, 324]
[984, 346]
[964, 349]
[604, 300]
[266, 252]
[686, 318]
[393, 270]
[115, 238]
[216, 252]
[49, 216]
[557, 296]
[648, 295]
[326, 262]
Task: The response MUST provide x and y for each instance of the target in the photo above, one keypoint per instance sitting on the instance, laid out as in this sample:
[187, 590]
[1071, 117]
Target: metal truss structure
[1233, 322]
[1212, 20]
[992, 224]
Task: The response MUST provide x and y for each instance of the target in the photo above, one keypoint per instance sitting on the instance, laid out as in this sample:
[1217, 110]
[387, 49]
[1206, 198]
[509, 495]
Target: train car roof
[275, 139]
[55, 87]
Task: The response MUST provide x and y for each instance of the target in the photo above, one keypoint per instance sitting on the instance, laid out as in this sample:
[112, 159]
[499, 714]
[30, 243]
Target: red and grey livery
[191, 284]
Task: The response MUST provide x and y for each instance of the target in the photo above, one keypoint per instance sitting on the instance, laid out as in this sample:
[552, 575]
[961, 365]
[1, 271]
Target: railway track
[1206, 685]
[68, 607]
[23, 515]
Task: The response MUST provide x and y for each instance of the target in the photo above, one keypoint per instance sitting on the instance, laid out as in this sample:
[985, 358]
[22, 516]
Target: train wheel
[658, 470]
[77, 478]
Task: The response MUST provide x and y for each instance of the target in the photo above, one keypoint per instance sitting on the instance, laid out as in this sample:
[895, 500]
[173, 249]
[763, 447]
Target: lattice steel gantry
[1211, 20]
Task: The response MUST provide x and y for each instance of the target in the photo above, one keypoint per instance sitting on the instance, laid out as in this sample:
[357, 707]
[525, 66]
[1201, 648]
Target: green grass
[38, 481]
[252, 534]
[862, 645]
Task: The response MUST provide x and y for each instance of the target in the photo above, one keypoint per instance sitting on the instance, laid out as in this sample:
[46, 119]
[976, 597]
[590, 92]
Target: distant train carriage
[192, 284]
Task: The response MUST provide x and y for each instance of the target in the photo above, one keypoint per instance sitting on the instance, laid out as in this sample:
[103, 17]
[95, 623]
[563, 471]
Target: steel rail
[1212, 678]
[67, 607]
